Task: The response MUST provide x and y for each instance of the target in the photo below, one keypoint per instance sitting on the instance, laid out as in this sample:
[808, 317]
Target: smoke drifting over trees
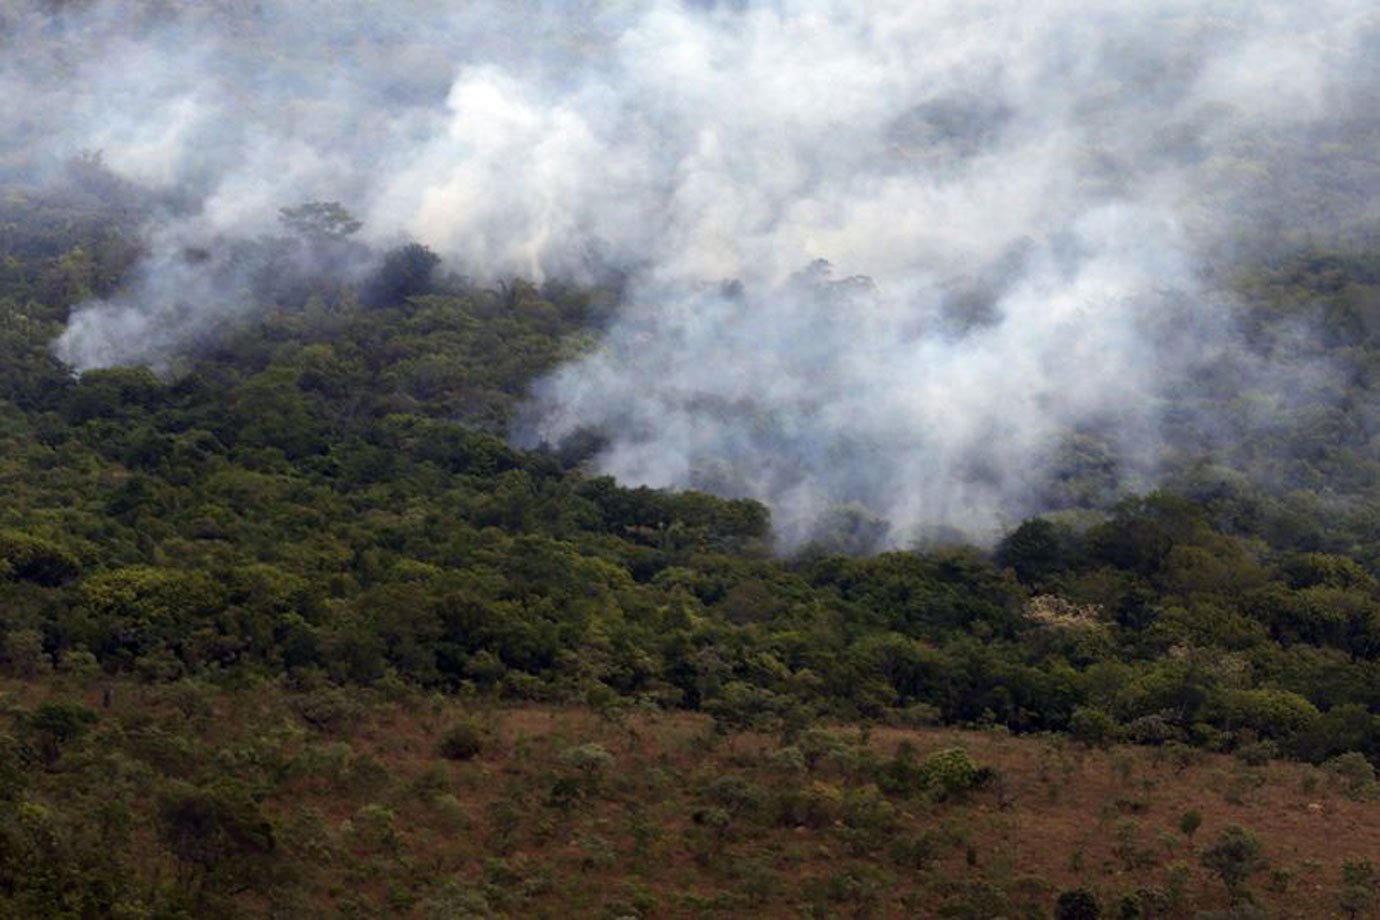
[882, 259]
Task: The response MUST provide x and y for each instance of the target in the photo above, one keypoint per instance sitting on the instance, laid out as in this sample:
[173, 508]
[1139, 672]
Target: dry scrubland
[420, 806]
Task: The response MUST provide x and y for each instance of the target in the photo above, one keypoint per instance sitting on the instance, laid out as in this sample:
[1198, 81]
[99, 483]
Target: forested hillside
[783, 458]
[317, 505]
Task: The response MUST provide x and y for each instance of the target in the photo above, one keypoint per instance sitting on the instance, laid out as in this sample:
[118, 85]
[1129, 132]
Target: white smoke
[1015, 200]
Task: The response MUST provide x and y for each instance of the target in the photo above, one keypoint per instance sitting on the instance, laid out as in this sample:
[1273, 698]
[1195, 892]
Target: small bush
[328, 709]
[1077, 904]
[589, 758]
[1152, 729]
[1189, 822]
[462, 741]
[1143, 903]
[1360, 884]
[951, 772]
[1093, 726]
[1235, 856]
[815, 806]
[1258, 754]
[1353, 772]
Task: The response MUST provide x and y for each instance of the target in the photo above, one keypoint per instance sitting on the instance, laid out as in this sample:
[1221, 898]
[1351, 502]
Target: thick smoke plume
[881, 259]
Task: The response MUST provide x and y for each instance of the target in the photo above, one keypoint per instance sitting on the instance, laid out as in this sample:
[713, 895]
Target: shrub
[1189, 822]
[375, 826]
[24, 655]
[734, 793]
[1270, 713]
[951, 772]
[589, 758]
[917, 850]
[53, 726]
[218, 833]
[1235, 856]
[1093, 726]
[1152, 729]
[1143, 903]
[462, 741]
[586, 765]
[328, 709]
[816, 745]
[1257, 754]
[1077, 904]
[1360, 882]
[815, 805]
[1354, 772]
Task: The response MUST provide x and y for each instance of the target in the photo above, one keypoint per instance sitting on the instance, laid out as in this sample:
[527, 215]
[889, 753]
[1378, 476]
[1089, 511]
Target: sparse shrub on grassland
[901, 775]
[787, 760]
[505, 819]
[917, 850]
[376, 827]
[974, 899]
[951, 773]
[734, 793]
[756, 879]
[860, 885]
[589, 758]
[328, 709]
[1360, 884]
[818, 744]
[450, 812]
[1235, 856]
[456, 898]
[1353, 773]
[583, 776]
[462, 741]
[1189, 822]
[1143, 904]
[1077, 904]
[430, 784]
[814, 805]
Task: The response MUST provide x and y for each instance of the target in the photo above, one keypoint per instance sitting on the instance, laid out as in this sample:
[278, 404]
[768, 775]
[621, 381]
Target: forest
[316, 513]
[400, 516]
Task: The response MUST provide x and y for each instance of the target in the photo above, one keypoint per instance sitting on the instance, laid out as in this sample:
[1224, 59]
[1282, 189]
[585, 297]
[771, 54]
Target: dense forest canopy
[326, 490]
[315, 431]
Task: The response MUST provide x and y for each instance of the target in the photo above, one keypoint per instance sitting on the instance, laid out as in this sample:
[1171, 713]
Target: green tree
[25, 557]
[1235, 856]
[1189, 822]
[53, 726]
[319, 220]
[406, 272]
[222, 841]
[1039, 550]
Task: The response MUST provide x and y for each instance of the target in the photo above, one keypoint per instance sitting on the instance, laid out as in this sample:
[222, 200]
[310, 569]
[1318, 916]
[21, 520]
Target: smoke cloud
[881, 259]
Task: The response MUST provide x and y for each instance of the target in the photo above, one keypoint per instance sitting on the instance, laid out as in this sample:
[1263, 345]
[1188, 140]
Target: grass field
[418, 806]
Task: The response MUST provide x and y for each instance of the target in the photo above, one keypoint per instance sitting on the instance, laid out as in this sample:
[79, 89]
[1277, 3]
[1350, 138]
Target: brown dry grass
[376, 823]
[1054, 822]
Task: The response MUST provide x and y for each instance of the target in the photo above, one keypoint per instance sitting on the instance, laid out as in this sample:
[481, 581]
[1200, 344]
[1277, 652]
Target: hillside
[668, 458]
[188, 799]
[247, 598]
